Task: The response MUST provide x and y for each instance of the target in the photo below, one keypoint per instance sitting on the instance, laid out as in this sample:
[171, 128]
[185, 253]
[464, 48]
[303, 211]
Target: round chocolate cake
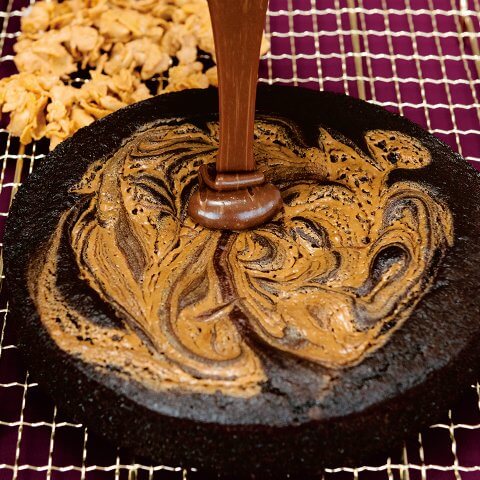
[330, 333]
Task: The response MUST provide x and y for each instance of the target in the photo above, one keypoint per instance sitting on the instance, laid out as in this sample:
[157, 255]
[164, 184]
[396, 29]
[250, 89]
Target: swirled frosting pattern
[326, 282]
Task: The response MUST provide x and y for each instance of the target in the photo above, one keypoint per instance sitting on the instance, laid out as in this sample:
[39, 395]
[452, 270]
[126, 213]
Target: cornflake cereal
[116, 48]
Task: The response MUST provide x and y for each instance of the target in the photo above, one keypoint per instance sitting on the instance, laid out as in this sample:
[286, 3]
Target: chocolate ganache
[327, 281]
[232, 193]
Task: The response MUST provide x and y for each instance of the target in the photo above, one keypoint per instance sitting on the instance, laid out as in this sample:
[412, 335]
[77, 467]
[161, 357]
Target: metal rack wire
[418, 57]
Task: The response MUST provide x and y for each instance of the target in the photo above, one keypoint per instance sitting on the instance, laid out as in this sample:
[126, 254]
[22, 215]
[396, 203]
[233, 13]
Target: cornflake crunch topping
[79, 60]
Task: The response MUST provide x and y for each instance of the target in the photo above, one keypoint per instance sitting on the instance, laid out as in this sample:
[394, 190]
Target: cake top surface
[335, 306]
[325, 284]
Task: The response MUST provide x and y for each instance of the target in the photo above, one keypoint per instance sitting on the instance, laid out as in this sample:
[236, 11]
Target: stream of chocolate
[237, 29]
[233, 195]
[326, 283]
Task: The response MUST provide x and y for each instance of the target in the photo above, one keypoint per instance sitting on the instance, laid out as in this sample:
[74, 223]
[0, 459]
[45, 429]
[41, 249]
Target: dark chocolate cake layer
[320, 338]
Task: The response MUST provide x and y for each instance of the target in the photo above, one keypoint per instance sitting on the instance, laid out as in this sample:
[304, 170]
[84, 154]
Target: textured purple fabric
[429, 76]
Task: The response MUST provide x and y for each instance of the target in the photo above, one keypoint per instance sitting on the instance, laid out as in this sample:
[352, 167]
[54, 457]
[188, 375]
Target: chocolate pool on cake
[322, 329]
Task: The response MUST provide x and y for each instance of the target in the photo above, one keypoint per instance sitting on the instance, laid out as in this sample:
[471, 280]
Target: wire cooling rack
[418, 57]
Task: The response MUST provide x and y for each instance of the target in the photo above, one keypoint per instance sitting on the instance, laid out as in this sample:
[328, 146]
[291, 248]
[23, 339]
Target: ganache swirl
[327, 281]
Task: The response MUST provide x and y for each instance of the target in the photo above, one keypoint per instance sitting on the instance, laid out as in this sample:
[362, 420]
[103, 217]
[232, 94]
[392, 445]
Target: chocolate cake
[321, 337]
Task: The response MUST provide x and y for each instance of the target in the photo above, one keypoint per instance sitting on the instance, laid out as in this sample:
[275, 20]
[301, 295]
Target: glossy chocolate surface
[237, 29]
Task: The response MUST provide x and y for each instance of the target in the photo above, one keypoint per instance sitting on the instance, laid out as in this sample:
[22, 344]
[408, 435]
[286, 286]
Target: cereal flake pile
[127, 50]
